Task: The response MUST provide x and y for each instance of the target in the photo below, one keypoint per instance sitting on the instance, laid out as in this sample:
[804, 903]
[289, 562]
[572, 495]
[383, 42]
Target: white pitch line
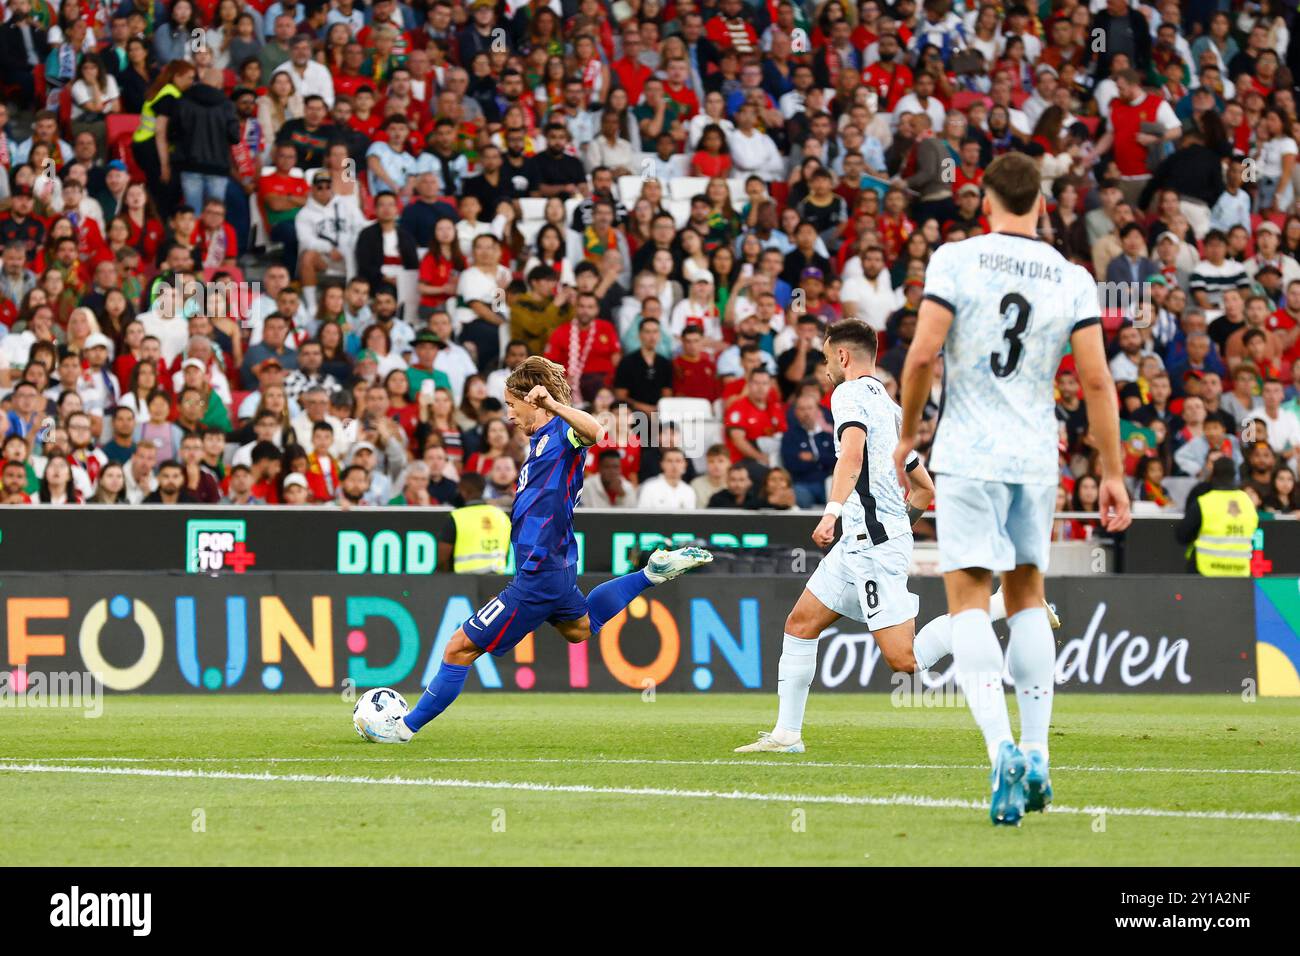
[895, 800]
[778, 761]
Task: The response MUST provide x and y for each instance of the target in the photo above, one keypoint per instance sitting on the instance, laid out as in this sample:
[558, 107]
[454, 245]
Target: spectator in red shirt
[322, 469]
[729, 30]
[282, 194]
[630, 71]
[752, 417]
[890, 77]
[587, 346]
[712, 158]
[695, 374]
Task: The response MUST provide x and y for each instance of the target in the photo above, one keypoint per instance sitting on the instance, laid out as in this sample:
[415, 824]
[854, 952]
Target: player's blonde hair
[536, 370]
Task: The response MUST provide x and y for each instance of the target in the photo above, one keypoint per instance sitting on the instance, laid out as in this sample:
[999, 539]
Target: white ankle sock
[1031, 658]
[794, 678]
[997, 607]
[978, 659]
[933, 642]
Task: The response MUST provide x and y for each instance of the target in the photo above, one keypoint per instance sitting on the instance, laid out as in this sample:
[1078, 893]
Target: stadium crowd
[268, 254]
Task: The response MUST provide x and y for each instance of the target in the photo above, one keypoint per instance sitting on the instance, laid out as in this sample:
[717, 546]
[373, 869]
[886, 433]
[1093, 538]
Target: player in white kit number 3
[1003, 307]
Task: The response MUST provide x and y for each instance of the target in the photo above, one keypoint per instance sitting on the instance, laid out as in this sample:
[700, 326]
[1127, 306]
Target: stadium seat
[629, 190]
[118, 126]
[695, 419]
[968, 98]
[679, 409]
[680, 209]
[65, 110]
[780, 191]
[738, 197]
[533, 210]
[687, 187]
[570, 205]
[1092, 122]
[118, 130]
[529, 228]
[701, 435]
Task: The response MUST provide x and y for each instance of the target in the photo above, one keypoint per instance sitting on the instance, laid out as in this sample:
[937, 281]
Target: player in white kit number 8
[1003, 307]
[864, 577]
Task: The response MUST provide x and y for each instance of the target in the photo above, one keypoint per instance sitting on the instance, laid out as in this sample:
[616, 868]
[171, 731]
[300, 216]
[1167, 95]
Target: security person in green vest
[1218, 525]
[149, 144]
[480, 533]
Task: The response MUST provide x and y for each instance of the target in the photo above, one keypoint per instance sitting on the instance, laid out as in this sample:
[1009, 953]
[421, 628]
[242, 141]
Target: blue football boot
[1008, 803]
[1038, 784]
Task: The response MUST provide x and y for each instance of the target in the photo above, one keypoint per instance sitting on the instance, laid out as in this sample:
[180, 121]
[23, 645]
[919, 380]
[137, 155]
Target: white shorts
[992, 525]
[868, 585]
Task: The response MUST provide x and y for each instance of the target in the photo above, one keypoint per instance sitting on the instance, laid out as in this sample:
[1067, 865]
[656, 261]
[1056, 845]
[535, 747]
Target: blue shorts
[529, 601]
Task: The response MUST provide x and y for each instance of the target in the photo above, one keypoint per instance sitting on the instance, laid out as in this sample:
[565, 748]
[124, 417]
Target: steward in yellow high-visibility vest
[1219, 523]
[482, 544]
[150, 142]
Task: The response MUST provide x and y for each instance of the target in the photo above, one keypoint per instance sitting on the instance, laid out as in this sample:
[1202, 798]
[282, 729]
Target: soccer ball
[374, 712]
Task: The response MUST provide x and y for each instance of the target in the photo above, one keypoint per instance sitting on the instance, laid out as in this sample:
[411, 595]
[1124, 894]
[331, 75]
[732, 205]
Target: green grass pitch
[614, 779]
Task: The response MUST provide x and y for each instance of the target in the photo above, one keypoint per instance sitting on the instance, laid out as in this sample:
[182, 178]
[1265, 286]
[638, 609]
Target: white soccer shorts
[868, 584]
[992, 525]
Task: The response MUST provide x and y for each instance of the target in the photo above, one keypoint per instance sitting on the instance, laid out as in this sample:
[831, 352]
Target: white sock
[934, 641]
[978, 659]
[997, 606]
[794, 678]
[1031, 658]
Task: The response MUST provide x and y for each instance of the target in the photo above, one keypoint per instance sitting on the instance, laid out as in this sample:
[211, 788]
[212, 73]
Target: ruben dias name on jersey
[876, 510]
[1015, 303]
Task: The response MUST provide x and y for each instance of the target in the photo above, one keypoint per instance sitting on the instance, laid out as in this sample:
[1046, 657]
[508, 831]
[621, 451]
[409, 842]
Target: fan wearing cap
[327, 228]
[699, 308]
[968, 218]
[427, 347]
[20, 224]
[194, 375]
[813, 283]
[98, 386]
[1268, 240]
[295, 490]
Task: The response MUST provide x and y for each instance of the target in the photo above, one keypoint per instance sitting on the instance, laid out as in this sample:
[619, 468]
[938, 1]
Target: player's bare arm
[921, 495]
[848, 468]
[1089, 351]
[585, 426]
[932, 324]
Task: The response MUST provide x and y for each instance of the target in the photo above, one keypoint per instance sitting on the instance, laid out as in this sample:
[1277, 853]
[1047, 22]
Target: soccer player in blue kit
[545, 584]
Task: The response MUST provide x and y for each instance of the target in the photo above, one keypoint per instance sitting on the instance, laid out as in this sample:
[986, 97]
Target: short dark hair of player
[536, 370]
[1015, 182]
[852, 334]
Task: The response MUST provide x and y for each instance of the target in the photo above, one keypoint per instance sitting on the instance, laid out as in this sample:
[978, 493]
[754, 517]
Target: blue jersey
[550, 481]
